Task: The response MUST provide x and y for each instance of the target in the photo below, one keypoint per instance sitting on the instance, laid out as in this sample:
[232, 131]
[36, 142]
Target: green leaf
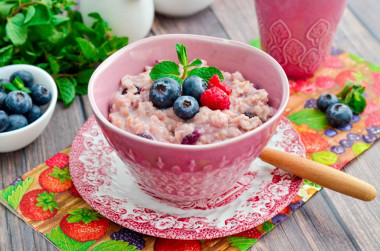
[114, 246]
[358, 148]
[88, 49]
[66, 90]
[165, 69]
[81, 89]
[47, 202]
[357, 102]
[61, 174]
[117, 43]
[30, 14]
[325, 157]
[182, 54]
[14, 194]
[57, 20]
[268, 226]
[196, 62]
[84, 76]
[16, 30]
[54, 65]
[311, 184]
[83, 214]
[255, 43]
[40, 15]
[20, 85]
[6, 8]
[374, 67]
[242, 243]
[206, 73]
[315, 119]
[9, 86]
[65, 243]
[6, 54]
[356, 58]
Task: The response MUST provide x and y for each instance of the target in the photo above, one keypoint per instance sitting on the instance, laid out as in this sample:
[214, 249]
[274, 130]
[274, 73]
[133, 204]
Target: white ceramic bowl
[178, 8]
[14, 140]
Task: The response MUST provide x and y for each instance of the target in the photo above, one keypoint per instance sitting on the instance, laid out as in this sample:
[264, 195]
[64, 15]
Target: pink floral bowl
[184, 173]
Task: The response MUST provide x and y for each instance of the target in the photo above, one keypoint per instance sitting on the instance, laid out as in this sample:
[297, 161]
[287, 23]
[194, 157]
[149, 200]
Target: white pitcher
[131, 18]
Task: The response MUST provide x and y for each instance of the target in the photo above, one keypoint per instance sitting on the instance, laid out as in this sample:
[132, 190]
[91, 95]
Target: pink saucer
[103, 182]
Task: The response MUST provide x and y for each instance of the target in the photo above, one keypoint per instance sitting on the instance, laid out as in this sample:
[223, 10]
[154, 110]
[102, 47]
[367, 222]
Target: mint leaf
[165, 69]
[242, 243]
[315, 119]
[84, 76]
[357, 102]
[114, 246]
[6, 8]
[65, 243]
[16, 30]
[182, 54]
[54, 65]
[14, 194]
[88, 49]
[6, 54]
[67, 90]
[20, 85]
[196, 62]
[81, 89]
[41, 15]
[9, 86]
[57, 20]
[30, 14]
[206, 73]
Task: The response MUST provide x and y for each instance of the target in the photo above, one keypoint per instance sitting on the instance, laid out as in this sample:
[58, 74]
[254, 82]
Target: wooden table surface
[329, 221]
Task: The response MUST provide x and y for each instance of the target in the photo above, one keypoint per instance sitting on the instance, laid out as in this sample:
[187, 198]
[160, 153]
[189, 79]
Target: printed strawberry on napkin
[46, 199]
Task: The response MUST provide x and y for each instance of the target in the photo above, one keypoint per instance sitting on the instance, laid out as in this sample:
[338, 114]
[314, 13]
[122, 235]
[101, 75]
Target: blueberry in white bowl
[21, 120]
[40, 94]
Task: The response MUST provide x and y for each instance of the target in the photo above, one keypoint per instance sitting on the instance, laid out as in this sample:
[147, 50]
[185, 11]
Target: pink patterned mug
[298, 33]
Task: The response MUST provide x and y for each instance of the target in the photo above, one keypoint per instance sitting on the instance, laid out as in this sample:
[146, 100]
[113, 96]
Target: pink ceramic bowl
[185, 173]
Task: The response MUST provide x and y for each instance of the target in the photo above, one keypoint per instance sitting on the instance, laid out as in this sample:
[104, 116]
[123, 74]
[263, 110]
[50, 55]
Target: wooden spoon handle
[320, 174]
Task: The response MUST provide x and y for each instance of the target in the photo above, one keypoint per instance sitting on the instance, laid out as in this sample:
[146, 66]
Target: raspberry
[215, 99]
[215, 82]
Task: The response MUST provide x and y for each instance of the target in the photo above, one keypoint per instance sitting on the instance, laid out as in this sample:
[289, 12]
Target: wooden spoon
[320, 174]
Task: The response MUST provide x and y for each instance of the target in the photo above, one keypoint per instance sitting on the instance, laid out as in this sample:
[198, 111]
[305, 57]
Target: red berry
[55, 180]
[59, 160]
[215, 99]
[215, 82]
[38, 205]
[176, 245]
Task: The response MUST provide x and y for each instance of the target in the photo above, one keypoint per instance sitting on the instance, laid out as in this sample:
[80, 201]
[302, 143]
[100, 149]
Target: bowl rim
[52, 102]
[119, 53]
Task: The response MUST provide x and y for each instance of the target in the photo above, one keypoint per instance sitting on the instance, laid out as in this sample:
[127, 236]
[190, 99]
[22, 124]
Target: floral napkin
[46, 199]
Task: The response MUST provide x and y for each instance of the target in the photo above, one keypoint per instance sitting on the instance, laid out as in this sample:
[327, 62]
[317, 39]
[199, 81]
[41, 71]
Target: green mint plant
[52, 36]
[171, 69]
[352, 95]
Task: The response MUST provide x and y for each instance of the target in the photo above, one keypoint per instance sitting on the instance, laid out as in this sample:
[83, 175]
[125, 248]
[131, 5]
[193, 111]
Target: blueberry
[186, 107]
[4, 121]
[3, 95]
[164, 92]
[338, 115]
[279, 218]
[369, 138]
[194, 86]
[249, 114]
[191, 139]
[3, 81]
[132, 237]
[40, 95]
[295, 206]
[145, 135]
[311, 103]
[346, 127]
[331, 133]
[16, 121]
[18, 102]
[325, 100]
[34, 113]
[337, 149]
[26, 77]
[355, 118]
[346, 143]
[373, 130]
[353, 137]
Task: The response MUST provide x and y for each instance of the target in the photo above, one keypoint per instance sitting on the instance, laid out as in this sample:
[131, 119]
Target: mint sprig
[171, 69]
[352, 95]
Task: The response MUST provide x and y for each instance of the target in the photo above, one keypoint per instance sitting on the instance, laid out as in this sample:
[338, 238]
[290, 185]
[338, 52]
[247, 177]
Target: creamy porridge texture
[132, 111]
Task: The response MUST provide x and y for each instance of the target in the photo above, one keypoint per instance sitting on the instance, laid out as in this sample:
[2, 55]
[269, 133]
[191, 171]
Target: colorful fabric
[61, 216]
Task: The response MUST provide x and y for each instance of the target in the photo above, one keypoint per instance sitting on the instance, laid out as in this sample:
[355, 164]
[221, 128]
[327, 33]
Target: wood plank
[367, 13]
